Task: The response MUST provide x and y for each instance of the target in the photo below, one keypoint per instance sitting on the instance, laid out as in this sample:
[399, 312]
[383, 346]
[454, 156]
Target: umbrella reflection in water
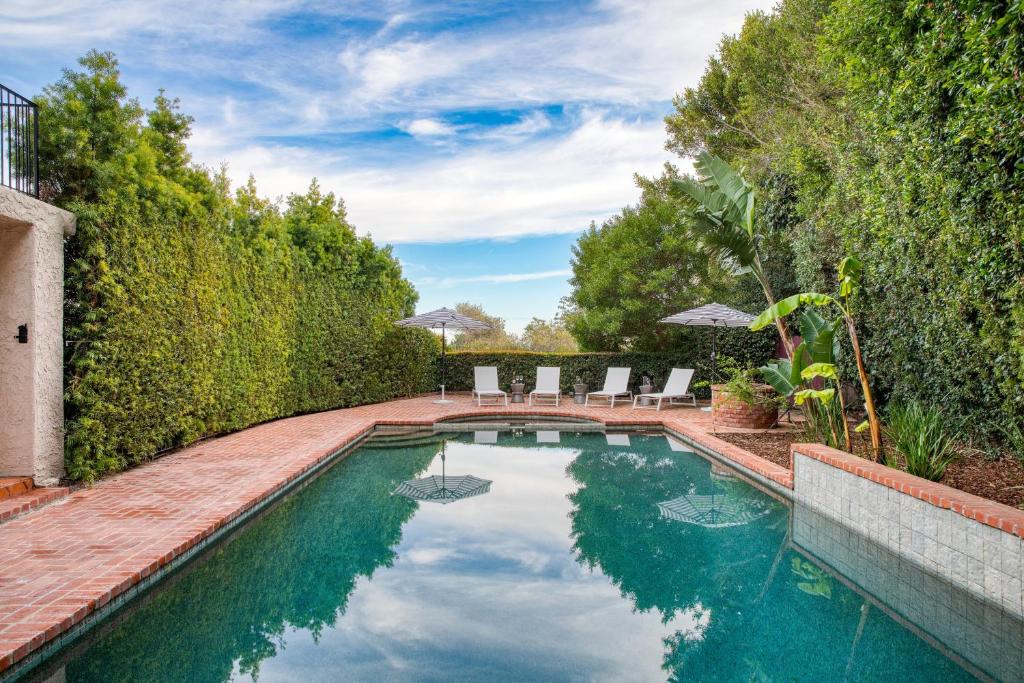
[716, 511]
[443, 488]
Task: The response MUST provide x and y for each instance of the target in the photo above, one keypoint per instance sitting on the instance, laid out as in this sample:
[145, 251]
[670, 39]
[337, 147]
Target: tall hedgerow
[192, 311]
[892, 130]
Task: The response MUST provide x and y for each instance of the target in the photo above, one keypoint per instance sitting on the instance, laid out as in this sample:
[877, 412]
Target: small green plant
[741, 387]
[923, 438]
[1013, 435]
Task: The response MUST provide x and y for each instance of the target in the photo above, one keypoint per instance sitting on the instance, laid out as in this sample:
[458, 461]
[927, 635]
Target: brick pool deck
[63, 562]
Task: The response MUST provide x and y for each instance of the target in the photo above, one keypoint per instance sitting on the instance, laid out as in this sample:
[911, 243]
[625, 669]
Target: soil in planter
[772, 445]
[1001, 480]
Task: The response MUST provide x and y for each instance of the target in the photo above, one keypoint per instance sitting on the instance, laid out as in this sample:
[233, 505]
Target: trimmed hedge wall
[747, 348]
[193, 311]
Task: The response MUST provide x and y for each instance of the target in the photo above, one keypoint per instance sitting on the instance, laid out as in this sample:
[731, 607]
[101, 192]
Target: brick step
[13, 486]
[12, 506]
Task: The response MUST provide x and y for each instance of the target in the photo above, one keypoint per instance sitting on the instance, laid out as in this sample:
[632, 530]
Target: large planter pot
[729, 412]
[580, 393]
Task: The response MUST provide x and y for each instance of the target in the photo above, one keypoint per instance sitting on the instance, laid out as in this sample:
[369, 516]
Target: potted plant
[743, 403]
[579, 389]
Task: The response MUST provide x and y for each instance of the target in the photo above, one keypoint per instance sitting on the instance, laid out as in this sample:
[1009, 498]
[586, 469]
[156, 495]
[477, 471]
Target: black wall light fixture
[22, 335]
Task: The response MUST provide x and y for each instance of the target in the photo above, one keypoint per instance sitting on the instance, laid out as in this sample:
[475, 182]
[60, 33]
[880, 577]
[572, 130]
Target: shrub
[923, 438]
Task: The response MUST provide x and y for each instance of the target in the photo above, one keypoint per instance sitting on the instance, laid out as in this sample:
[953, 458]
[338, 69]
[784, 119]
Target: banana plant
[849, 273]
[719, 207]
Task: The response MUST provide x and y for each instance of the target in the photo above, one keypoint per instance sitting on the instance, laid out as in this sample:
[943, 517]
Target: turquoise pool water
[564, 568]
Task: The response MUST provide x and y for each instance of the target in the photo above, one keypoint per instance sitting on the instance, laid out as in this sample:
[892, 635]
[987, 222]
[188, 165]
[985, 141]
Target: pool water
[564, 568]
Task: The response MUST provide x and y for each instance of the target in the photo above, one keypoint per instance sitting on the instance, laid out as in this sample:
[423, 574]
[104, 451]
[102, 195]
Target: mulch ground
[1001, 480]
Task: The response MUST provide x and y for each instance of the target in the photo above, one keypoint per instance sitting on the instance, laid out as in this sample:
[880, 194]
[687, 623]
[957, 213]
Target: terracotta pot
[728, 412]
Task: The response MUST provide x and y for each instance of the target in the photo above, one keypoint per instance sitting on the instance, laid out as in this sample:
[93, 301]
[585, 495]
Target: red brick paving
[64, 561]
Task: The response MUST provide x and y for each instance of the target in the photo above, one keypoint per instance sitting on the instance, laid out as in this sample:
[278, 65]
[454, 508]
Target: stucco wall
[936, 536]
[31, 375]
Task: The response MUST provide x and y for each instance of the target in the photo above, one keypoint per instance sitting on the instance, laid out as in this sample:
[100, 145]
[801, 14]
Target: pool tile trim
[988, 512]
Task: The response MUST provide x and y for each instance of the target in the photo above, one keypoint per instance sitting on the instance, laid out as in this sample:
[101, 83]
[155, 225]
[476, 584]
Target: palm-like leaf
[724, 242]
[785, 375]
[791, 303]
[820, 335]
[720, 209]
[777, 374]
[725, 179]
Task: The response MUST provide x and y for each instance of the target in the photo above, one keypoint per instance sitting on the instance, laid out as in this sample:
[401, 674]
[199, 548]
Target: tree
[636, 268]
[548, 337]
[494, 339]
[720, 215]
[86, 121]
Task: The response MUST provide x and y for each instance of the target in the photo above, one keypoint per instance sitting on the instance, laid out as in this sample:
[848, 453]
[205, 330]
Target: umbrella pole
[444, 364]
[714, 353]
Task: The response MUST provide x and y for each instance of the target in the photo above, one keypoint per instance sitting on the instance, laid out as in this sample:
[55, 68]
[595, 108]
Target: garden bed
[1001, 480]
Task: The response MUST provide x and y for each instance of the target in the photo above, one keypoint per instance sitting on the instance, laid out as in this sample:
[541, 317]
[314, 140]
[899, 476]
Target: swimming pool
[568, 556]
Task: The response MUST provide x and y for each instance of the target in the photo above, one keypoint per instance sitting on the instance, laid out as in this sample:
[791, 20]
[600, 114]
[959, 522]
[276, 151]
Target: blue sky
[477, 137]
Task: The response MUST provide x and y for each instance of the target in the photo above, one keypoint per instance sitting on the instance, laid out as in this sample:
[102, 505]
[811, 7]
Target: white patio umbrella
[713, 316]
[444, 319]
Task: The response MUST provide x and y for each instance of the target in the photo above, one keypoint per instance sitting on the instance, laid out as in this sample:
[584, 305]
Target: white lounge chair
[485, 380]
[547, 384]
[616, 384]
[677, 387]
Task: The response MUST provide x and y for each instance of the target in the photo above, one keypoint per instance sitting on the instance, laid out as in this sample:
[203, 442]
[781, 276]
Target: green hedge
[892, 131]
[749, 349]
[194, 312]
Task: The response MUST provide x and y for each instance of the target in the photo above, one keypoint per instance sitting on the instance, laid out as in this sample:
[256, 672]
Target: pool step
[527, 427]
[13, 486]
[20, 503]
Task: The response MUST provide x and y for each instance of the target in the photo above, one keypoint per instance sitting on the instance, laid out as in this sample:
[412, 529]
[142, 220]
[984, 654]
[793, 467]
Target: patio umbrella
[713, 316]
[444, 319]
[711, 512]
[443, 489]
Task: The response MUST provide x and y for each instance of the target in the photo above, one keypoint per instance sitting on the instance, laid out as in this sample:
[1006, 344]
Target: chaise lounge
[547, 384]
[616, 384]
[676, 388]
[485, 380]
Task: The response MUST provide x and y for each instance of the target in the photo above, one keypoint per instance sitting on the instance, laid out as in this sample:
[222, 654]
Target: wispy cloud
[494, 279]
[519, 120]
[535, 187]
[428, 128]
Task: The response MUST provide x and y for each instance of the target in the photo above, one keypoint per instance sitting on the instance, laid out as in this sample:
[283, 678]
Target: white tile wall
[964, 622]
[985, 561]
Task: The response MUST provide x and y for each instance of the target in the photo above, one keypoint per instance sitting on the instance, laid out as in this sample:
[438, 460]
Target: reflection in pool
[566, 568]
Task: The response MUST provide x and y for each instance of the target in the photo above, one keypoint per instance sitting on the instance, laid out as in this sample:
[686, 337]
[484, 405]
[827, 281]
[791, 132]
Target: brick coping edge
[988, 512]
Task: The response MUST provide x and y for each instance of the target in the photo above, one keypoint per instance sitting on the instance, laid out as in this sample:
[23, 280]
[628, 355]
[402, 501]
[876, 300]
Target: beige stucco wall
[31, 377]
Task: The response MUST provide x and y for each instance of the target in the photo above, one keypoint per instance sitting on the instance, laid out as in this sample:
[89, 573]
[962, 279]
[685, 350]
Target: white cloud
[535, 187]
[63, 22]
[601, 64]
[428, 128]
[494, 279]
